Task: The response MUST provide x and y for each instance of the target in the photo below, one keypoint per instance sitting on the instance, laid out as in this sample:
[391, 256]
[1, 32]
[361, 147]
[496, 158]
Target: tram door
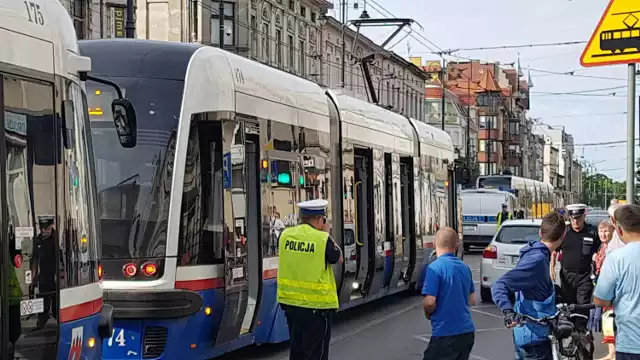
[242, 215]
[28, 253]
[364, 226]
[407, 214]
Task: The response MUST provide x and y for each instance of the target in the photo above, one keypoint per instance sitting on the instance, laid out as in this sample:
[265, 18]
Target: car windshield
[134, 185]
[518, 234]
[596, 219]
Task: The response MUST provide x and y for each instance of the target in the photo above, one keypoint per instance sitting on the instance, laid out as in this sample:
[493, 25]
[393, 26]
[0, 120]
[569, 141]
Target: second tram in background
[226, 148]
[535, 198]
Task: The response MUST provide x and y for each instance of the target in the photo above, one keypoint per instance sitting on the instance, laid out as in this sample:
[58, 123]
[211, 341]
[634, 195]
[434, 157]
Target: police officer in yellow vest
[306, 286]
[504, 215]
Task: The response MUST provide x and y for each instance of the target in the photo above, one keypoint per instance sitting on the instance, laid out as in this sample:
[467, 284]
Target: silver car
[503, 253]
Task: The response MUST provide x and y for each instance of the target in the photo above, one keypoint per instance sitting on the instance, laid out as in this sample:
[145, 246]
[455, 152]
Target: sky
[460, 24]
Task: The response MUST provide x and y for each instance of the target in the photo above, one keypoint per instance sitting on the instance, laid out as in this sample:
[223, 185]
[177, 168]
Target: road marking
[486, 313]
[483, 306]
[375, 322]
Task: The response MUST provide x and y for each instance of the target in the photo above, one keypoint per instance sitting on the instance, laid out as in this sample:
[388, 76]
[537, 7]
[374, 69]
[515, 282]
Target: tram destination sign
[616, 39]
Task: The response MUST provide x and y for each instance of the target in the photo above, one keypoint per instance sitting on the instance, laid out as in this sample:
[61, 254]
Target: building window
[292, 5]
[77, 11]
[488, 122]
[515, 170]
[303, 67]
[303, 11]
[488, 168]
[514, 128]
[254, 36]
[279, 47]
[487, 146]
[266, 50]
[313, 17]
[228, 22]
[292, 49]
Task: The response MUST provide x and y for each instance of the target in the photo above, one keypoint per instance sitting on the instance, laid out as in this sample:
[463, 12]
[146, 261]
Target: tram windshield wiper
[134, 178]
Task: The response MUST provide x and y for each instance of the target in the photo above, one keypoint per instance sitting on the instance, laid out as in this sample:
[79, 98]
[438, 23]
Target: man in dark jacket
[534, 292]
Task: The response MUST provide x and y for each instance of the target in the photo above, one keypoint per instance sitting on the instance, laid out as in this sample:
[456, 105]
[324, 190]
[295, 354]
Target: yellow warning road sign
[616, 39]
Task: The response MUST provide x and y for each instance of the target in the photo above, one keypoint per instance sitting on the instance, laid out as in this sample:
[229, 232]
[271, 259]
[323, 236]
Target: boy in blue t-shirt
[448, 292]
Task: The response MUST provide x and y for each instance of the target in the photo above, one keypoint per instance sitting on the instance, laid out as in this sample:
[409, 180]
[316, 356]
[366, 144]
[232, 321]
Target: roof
[488, 82]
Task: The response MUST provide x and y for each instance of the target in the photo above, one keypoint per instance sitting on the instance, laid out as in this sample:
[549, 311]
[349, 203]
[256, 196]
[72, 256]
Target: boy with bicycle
[534, 292]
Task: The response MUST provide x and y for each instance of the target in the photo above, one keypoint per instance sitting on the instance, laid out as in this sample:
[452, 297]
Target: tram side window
[29, 125]
[202, 228]
[78, 243]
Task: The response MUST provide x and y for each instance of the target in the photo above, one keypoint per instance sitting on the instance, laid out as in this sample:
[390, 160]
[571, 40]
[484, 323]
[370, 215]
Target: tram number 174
[120, 339]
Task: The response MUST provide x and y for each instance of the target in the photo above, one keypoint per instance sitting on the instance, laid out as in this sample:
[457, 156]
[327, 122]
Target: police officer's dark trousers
[309, 332]
[577, 288]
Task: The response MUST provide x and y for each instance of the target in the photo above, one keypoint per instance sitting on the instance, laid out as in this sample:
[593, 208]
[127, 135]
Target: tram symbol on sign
[616, 39]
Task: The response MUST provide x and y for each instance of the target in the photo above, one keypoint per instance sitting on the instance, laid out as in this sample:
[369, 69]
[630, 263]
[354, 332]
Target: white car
[503, 253]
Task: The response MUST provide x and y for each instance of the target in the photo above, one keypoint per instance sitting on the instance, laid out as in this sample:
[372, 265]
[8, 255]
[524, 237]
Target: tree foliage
[598, 189]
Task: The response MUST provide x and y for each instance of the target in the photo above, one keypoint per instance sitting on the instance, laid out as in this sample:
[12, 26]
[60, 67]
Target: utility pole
[130, 26]
[221, 22]
[443, 102]
[343, 13]
[468, 153]
[631, 113]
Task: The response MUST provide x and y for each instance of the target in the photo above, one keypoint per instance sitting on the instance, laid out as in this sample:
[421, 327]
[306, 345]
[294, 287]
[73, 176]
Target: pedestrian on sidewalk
[448, 293]
[534, 292]
[605, 231]
[619, 284]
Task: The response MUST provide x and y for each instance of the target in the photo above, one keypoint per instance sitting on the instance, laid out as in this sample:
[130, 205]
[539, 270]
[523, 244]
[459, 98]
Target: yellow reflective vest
[304, 279]
[500, 219]
[15, 292]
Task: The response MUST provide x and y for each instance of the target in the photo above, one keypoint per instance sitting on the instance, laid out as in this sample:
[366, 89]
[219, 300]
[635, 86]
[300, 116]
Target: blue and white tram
[226, 148]
[51, 301]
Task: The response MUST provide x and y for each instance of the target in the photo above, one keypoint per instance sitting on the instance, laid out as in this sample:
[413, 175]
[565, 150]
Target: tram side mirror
[124, 119]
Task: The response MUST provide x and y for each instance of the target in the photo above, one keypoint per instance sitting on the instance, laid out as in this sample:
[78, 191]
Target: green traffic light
[284, 178]
[301, 180]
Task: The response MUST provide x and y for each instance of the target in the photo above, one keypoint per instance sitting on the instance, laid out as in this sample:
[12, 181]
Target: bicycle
[567, 342]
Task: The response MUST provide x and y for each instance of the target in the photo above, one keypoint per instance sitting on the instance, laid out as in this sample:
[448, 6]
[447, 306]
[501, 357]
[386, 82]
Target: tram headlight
[91, 342]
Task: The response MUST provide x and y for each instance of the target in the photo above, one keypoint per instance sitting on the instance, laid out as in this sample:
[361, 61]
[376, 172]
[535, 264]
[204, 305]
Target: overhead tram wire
[572, 73]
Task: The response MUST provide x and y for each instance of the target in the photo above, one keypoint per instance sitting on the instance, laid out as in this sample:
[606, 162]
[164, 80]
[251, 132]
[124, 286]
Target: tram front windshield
[134, 185]
[494, 182]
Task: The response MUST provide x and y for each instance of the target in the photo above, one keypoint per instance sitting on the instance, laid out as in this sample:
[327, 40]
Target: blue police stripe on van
[479, 219]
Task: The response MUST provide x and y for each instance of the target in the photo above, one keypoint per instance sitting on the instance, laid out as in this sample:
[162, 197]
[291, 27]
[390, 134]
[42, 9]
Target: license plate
[469, 228]
[125, 341]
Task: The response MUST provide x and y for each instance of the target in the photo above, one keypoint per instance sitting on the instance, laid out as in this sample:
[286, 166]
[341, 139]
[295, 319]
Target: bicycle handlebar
[562, 308]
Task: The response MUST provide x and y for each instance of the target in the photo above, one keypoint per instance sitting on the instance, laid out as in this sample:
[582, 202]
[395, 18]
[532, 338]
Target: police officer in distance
[306, 286]
[581, 242]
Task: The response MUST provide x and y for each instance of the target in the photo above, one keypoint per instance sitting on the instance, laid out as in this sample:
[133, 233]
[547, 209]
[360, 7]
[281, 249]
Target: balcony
[515, 138]
[514, 158]
[485, 134]
[482, 157]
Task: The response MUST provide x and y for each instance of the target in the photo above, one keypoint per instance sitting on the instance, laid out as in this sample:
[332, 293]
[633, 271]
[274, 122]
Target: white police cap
[576, 210]
[313, 207]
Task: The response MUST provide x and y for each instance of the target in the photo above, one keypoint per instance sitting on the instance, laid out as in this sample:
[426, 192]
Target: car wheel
[485, 295]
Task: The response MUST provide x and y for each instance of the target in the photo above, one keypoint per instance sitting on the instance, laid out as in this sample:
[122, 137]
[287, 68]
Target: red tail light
[490, 252]
[130, 270]
[100, 272]
[149, 269]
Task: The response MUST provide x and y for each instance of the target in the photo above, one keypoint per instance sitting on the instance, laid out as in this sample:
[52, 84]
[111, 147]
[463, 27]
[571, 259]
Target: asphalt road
[395, 329]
